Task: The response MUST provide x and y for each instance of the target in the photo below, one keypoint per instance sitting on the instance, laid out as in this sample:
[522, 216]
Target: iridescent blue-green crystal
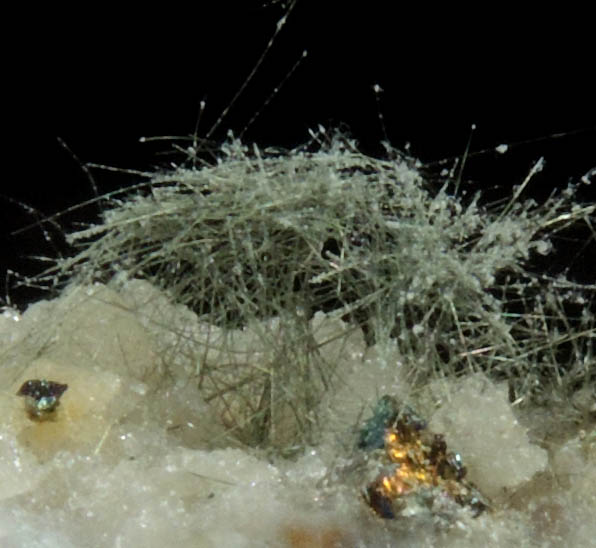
[41, 396]
[372, 434]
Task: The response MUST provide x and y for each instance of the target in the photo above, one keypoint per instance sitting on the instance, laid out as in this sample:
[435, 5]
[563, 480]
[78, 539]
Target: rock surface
[136, 458]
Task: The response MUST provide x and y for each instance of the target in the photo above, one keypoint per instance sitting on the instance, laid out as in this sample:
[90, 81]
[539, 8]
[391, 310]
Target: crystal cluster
[417, 470]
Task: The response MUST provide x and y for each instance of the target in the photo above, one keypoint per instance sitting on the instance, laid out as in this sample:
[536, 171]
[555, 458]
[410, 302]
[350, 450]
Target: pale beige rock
[20, 471]
[96, 328]
[478, 422]
[128, 463]
[362, 376]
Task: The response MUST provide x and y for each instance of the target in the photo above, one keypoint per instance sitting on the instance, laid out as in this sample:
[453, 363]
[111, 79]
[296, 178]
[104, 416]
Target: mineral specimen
[417, 470]
[42, 397]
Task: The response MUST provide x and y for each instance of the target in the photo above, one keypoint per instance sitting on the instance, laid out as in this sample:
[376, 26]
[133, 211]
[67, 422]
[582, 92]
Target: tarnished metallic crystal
[372, 435]
[388, 413]
[42, 397]
[418, 471]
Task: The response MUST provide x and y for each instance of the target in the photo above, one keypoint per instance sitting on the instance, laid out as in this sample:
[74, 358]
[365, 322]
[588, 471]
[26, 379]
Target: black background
[102, 79]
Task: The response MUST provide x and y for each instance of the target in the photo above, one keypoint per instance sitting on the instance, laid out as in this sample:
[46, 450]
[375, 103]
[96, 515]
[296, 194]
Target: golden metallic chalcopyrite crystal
[42, 397]
[418, 470]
